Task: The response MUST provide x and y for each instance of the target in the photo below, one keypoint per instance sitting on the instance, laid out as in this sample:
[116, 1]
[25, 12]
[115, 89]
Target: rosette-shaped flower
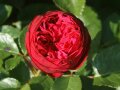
[57, 42]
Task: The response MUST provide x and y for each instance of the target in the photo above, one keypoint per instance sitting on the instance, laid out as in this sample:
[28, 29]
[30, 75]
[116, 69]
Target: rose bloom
[57, 42]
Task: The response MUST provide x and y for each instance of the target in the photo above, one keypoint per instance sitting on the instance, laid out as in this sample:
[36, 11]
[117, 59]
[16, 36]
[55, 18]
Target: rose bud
[57, 42]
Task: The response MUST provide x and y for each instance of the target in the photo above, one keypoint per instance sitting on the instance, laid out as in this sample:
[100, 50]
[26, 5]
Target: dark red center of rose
[50, 32]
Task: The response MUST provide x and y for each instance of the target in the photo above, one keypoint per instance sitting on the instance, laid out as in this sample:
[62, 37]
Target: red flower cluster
[57, 42]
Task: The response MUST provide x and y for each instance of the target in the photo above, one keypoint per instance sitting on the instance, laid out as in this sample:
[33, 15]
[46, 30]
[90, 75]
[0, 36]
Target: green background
[100, 72]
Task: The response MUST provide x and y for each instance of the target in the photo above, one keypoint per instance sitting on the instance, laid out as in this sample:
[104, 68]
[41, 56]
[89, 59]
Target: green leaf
[18, 25]
[5, 11]
[1, 62]
[12, 31]
[112, 80]
[12, 62]
[111, 28]
[67, 83]
[93, 24]
[74, 6]
[4, 54]
[87, 84]
[3, 72]
[118, 88]
[9, 84]
[108, 60]
[41, 83]
[21, 72]
[7, 44]
[82, 71]
[32, 10]
[26, 87]
[21, 40]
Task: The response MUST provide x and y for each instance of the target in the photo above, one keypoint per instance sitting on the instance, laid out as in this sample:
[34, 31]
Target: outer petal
[56, 75]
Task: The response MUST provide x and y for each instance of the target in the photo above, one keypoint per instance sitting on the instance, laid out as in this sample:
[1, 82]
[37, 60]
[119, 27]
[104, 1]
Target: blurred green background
[100, 72]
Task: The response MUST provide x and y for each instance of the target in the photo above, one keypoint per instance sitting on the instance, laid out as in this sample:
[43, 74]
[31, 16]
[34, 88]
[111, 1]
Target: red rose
[57, 42]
